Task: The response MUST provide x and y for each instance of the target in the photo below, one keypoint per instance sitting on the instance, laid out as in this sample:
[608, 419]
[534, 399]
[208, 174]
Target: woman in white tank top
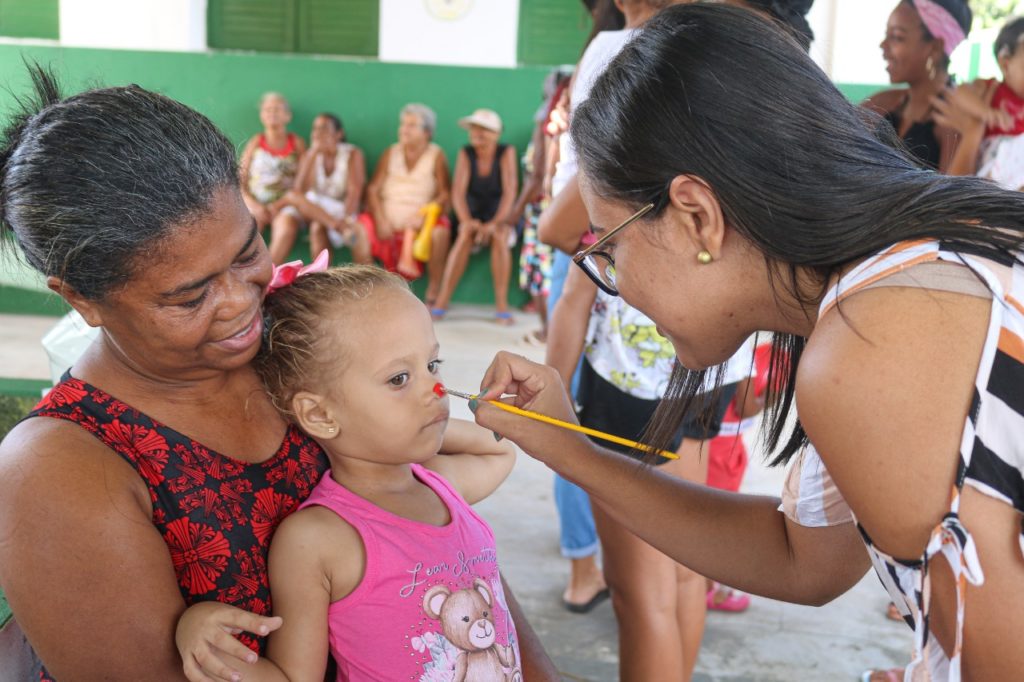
[328, 190]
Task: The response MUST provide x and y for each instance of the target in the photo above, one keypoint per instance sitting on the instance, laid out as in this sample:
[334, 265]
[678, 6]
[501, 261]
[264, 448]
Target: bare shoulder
[44, 456]
[316, 540]
[73, 506]
[883, 390]
[885, 101]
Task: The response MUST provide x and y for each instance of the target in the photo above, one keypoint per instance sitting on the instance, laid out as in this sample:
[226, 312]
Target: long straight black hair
[812, 181]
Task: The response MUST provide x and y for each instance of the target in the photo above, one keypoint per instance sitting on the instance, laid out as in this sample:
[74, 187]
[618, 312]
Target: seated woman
[328, 190]
[409, 176]
[267, 170]
[484, 190]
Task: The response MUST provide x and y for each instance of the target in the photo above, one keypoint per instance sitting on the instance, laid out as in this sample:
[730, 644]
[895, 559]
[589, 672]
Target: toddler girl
[385, 565]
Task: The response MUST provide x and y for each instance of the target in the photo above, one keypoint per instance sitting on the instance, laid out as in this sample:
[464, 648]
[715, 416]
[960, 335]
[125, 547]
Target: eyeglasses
[598, 264]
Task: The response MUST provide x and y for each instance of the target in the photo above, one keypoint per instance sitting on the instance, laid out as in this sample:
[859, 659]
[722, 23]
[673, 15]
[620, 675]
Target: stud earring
[704, 257]
[331, 429]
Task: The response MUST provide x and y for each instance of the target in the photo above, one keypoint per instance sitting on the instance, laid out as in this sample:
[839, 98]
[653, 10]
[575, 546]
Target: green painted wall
[367, 95]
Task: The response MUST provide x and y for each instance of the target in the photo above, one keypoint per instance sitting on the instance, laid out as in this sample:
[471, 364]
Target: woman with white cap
[483, 192]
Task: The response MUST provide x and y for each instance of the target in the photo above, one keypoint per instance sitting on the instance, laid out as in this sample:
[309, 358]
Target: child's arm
[472, 461]
[304, 546]
[205, 639]
[315, 558]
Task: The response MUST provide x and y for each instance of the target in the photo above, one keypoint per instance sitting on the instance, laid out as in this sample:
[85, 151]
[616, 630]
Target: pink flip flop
[736, 602]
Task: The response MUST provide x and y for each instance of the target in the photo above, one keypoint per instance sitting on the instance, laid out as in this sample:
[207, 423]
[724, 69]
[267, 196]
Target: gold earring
[930, 65]
[704, 257]
[331, 429]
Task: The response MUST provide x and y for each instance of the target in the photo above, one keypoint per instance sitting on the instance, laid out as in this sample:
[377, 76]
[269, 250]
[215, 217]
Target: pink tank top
[430, 606]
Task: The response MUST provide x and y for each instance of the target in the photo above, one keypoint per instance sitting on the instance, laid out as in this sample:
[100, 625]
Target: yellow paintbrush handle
[581, 429]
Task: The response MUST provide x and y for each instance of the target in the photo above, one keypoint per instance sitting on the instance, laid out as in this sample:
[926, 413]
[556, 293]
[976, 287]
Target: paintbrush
[441, 389]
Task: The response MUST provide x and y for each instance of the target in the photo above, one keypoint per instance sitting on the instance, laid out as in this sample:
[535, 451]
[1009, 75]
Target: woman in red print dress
[152, 477]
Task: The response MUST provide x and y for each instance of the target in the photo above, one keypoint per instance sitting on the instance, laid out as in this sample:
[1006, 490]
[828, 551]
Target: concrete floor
[771, 641]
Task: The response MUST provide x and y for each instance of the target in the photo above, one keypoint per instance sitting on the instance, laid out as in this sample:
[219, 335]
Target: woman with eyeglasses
[896, 292]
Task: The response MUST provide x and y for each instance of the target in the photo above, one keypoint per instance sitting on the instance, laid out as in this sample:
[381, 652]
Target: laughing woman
[919, 38]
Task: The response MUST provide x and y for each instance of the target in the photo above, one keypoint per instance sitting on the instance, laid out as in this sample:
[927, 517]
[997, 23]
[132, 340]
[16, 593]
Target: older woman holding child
[159, 462]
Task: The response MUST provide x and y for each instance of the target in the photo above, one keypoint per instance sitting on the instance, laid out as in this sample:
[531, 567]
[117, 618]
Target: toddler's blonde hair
[293, 353]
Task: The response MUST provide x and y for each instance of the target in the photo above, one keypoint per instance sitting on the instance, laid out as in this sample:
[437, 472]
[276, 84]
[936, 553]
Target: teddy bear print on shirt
[467, 622]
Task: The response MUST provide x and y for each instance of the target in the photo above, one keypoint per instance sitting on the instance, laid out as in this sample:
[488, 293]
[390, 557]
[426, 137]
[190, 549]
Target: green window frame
[347, 27]
[552, 32]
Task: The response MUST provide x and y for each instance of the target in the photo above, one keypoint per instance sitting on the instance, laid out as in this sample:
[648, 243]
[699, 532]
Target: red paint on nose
[439, 389]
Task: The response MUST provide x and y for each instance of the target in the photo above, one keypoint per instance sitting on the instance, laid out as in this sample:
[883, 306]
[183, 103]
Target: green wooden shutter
[552, 32]
[265, 25]
[30, 19]
[339, 27]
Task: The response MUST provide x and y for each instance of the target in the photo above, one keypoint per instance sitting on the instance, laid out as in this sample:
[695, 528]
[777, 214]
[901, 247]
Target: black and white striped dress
[991, 449]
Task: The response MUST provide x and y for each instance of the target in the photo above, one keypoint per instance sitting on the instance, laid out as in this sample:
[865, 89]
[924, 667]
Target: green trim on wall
[18, 301]
[24, 388]
[30, 19]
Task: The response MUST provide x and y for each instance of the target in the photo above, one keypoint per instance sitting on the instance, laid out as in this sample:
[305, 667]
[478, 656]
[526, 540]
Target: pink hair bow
[287, 273]
[941, 24]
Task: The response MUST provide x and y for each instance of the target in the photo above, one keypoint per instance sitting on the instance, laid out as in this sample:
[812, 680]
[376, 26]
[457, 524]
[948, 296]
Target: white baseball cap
[485, 118]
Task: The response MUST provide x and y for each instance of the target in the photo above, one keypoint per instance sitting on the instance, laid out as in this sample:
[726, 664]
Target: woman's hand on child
[206, 642]
[530, 386]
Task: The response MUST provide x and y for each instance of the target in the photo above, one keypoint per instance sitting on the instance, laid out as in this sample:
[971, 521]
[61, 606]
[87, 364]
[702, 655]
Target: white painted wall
[484, 34]
[178, 25]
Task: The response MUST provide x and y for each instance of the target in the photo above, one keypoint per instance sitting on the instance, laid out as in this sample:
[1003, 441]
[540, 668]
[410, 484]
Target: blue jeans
[578, 536]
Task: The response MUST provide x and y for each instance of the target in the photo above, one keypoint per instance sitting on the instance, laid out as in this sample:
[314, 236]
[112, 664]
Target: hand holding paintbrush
[441, 389]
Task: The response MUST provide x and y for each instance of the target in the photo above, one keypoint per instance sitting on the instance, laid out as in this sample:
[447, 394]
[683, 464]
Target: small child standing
[1002, 151]
[385, 565]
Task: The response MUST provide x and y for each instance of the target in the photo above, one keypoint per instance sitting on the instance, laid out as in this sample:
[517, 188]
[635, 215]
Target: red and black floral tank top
[215, 513]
